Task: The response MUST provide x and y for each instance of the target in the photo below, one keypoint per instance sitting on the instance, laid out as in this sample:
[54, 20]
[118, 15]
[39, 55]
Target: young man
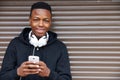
[36, 41]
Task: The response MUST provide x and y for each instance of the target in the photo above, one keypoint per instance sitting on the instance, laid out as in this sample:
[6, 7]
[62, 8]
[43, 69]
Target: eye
[36, 19]
[46, 20]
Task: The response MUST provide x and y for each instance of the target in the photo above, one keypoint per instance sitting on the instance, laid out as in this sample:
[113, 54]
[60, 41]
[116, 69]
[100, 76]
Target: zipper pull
[37, 48]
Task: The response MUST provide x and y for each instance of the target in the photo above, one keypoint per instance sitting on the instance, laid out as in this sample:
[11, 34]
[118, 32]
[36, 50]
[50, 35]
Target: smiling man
[36, 43]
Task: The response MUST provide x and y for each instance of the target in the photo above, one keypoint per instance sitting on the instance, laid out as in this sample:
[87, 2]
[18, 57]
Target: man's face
[40, 21]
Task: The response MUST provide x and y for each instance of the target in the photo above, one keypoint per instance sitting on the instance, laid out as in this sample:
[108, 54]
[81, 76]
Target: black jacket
[54, 54]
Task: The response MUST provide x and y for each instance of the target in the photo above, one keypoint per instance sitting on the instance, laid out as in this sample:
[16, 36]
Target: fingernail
[37, 66]
[39, 69]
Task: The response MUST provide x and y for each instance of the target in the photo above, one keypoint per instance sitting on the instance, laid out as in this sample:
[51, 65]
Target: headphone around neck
[38, 43]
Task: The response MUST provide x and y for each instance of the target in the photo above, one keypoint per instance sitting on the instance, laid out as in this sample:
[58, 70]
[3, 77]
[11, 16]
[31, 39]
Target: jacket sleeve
[8, 70]
[63, 67]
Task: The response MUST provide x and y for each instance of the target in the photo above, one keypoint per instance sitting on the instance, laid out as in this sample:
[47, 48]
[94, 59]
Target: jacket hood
[24, 36]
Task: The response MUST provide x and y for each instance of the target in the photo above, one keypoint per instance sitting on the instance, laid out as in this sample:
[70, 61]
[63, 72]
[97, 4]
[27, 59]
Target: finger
[40, 63]
[42, 67]
[28, 64]
[28, 73]
[31, 71]
[24, 64]
[33, 66]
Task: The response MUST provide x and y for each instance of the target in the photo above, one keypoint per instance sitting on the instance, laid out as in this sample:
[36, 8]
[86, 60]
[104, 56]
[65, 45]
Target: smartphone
[34, 59]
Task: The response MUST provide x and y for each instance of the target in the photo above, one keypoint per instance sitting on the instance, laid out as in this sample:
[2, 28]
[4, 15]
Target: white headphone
[38, 43]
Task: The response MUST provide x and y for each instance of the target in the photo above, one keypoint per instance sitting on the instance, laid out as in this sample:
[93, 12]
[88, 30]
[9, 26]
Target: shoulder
[14, 41]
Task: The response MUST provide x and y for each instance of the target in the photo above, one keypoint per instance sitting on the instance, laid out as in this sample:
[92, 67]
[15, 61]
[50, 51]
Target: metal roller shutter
[89, 28]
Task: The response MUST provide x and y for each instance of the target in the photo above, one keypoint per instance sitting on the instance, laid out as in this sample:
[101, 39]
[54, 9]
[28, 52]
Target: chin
[40, 35]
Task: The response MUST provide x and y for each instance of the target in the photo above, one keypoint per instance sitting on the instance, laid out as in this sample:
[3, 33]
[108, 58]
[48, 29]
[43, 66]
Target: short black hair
[40, 5]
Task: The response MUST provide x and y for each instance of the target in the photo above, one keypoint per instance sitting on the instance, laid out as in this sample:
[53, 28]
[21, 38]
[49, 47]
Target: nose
[41, 23]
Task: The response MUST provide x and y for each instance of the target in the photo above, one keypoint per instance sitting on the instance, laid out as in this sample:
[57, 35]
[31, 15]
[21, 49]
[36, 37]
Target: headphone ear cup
[34, 41]
[42, 42]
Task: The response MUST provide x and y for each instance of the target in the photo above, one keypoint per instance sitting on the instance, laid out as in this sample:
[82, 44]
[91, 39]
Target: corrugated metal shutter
[89, 28]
